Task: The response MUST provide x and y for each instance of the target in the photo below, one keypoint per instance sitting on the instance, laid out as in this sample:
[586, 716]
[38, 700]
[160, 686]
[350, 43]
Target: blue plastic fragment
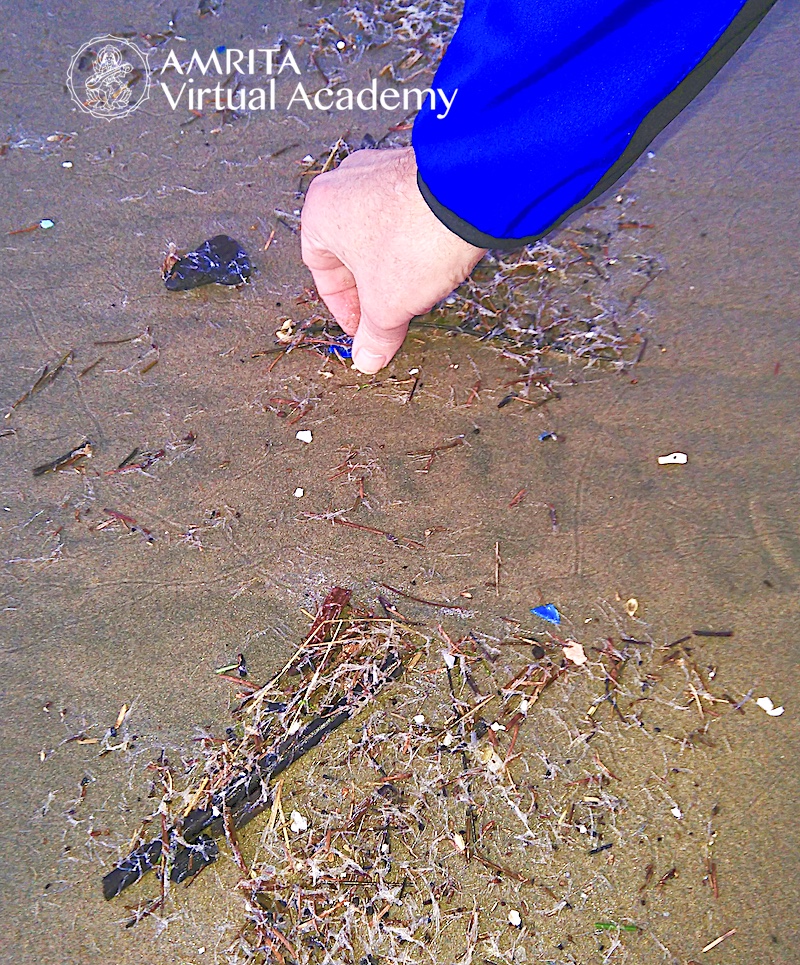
[544, 436]
[342, 350]
[221, 49]
[547, 612]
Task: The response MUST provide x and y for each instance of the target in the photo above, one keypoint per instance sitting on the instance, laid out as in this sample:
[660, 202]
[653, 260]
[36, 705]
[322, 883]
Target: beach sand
[96, 618]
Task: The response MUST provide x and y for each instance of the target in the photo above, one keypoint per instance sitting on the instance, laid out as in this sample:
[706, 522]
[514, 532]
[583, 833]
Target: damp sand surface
[96, 613]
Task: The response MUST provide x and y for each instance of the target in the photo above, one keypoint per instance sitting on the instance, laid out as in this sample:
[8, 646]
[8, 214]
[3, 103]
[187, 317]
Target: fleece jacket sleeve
[556, 99]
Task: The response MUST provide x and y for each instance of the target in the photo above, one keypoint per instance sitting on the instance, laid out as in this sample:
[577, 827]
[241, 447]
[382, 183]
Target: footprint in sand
[776, 522]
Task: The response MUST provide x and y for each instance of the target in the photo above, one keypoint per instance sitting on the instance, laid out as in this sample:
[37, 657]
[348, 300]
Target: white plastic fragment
[574, 651]
[66, 164]
[497, 726]
[304, 435]
[449, 659]
[514, 918]
[308, 158]
[676, 812]
[298, 823]
[340, 45]
[419, 720]
[673, 459]
[299, 492]
[766, 705]
[46, 223]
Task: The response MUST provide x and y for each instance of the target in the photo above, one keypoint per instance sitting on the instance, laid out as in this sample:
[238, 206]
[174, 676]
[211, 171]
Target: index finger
[334, 281]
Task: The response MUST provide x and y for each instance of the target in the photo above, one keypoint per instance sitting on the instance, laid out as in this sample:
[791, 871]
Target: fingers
[337, 288]
[380, 334]
[334, 281]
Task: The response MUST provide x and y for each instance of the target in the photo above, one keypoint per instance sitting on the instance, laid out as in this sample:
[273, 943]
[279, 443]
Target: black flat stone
[218, 261]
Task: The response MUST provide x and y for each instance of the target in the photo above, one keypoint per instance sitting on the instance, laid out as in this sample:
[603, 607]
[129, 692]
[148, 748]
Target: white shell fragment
[459, 842]
[490, 759]
[299, 492]
[574, 651]
[304, 435]
[514, 918]
[766, 704]
[298, 823]
[673, 459]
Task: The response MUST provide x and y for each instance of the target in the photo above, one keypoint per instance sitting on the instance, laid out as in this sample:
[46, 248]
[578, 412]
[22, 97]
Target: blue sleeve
[556, 99]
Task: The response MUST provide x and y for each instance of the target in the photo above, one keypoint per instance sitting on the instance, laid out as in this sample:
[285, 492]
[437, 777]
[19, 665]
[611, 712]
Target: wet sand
[92, 619]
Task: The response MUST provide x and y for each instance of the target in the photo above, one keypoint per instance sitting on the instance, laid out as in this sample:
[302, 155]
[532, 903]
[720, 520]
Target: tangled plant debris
[471, 797]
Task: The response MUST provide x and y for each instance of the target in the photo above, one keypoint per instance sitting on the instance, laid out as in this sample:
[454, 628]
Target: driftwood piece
[191, 840]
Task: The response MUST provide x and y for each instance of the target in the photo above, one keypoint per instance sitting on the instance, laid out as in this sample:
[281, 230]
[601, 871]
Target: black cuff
[465, 230]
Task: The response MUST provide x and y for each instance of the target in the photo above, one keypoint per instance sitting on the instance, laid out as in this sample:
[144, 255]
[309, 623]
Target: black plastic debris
[218, 261]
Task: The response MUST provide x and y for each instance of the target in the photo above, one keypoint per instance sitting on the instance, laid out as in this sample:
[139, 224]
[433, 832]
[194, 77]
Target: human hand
[378, 254]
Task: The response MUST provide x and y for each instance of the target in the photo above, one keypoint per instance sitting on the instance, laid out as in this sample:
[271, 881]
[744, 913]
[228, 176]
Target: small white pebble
[673, 459]
[514, 918]
[419, 720]
[299, 492]
[201, 950]
[766, 705]
[676, 812]
[298, 823]
[66, 164]
[304, 435]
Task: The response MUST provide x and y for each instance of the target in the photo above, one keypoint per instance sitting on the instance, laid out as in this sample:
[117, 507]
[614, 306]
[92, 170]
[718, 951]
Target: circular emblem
[109, 77]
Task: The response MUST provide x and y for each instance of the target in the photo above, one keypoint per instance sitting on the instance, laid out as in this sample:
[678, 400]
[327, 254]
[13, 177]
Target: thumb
[380, 334]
